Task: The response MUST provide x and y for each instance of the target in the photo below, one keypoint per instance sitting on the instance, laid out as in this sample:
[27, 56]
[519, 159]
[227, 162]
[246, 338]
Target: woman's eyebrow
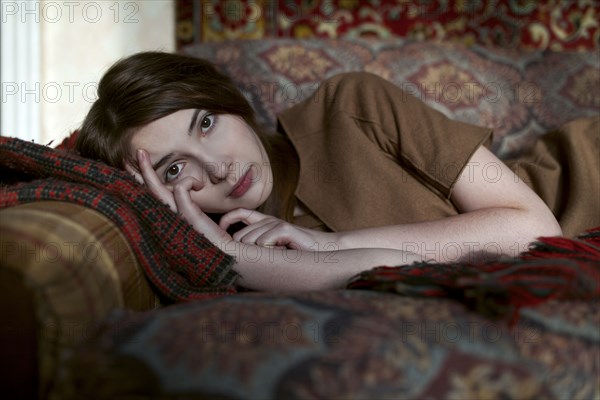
[162, 161]
[193, 122]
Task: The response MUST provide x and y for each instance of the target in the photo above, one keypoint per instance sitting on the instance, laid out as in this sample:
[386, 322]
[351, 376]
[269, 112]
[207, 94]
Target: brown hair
[147, 86]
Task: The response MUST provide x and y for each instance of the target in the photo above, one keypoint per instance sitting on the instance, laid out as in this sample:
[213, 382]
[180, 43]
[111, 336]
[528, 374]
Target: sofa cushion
[339, 344]
[18, 337]
[76, 265]
[520, 94]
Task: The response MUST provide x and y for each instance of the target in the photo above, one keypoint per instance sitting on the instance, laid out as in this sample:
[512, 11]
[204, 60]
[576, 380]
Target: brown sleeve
[423, 140]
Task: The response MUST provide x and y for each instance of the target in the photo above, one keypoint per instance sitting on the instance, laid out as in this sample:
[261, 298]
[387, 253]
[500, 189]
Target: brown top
[373, 155]
[564, 170]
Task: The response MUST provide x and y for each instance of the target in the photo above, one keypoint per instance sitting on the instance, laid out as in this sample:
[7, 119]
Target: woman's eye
[173, 172]
[207, 123]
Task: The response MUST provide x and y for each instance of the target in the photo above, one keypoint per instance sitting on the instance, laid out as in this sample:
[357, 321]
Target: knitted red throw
[553, 268]
[180, 263]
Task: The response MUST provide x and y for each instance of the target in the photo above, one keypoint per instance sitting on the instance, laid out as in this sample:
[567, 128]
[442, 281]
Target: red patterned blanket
[183, 265]
[180, 263]
[553, 268]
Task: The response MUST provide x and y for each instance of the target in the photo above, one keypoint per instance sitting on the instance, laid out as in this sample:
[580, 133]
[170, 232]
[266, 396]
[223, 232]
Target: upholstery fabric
[77, 266]
[530, 24]
[342, 344]
[520, 100]
[18, 337]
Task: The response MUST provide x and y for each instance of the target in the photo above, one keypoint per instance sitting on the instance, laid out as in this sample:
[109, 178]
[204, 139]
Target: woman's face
[221, 151]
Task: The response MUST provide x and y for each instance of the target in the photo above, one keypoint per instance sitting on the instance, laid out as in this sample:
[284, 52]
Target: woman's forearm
[276, 268]
[485, 233]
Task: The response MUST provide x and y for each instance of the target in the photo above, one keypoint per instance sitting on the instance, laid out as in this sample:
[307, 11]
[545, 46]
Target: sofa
[84, 319]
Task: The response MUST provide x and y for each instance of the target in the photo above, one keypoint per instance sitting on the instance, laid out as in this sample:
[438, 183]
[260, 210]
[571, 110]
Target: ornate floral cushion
[520, 94]
[340, 344]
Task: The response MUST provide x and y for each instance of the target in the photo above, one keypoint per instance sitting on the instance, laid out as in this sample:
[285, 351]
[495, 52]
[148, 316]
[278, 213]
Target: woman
[360, 174]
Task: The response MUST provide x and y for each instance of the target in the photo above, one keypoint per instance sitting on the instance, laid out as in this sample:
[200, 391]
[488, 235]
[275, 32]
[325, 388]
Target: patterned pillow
[520, 94]
[339, 344]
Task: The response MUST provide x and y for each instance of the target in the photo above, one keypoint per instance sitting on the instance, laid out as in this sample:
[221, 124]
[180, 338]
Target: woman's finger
[195, 216]
[252, 232]
[276, 239]
[185, 206]
[261, 226]
[241, 215]
[153, 182]
[135, 173]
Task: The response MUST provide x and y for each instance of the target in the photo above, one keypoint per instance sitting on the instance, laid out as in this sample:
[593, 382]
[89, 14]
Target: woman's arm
[277, 268]
[270, 267]
[281, 268]
[500, 215]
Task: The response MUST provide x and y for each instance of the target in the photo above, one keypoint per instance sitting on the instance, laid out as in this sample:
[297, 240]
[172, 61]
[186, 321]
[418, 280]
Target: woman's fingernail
[140, 154]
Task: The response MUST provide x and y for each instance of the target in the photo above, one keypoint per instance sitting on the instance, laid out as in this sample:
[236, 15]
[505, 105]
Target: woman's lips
[242, 186]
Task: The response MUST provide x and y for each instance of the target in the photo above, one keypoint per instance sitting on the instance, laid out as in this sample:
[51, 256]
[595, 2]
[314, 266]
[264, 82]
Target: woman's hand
[267, 231]
[179, 200]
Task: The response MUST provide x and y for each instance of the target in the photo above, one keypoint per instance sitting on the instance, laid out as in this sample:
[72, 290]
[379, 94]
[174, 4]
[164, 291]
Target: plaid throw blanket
[180, 263]
[553, 268]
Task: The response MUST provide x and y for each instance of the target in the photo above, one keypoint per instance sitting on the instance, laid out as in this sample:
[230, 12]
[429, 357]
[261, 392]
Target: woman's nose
[218, 171]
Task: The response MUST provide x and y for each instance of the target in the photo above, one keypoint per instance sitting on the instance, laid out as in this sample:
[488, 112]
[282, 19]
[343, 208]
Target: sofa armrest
[69, 266]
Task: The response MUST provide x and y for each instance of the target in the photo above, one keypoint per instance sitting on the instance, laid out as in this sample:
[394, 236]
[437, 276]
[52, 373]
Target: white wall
[79, 40]
[20, 72]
